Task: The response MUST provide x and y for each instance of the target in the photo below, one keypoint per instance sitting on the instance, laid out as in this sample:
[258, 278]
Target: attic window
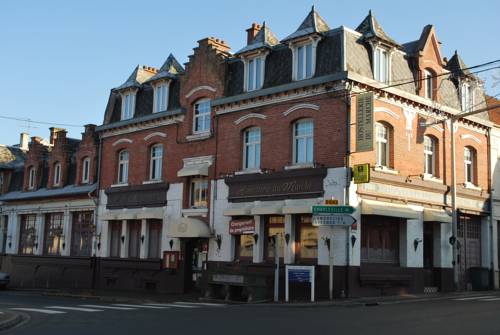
[57, 174]
[304, 61]
[381, 65]
[31, 176]
[428, 84]
[85, 170]
[161, 97]
[254, 72]
[128, 105]
[467, 97]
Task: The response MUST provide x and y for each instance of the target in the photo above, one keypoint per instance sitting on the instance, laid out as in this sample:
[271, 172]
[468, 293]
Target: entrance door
[469, 252]
[429, 254]
[195, 257]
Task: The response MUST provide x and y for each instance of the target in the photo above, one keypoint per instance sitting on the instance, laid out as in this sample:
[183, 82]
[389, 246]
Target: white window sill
[152, 181]
[428, 177]
[198, 136]
[195, 212]
[248, 171]
[471, 186]
[119, 185]
[385, 169]
[299, 166]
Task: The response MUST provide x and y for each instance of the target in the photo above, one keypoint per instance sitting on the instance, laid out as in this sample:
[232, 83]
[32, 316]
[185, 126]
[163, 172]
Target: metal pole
[454, 203]
[276, 268]
[330, 268]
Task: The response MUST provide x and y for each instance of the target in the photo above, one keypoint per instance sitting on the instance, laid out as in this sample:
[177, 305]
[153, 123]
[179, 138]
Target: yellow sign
[361, 173]
[331, 202]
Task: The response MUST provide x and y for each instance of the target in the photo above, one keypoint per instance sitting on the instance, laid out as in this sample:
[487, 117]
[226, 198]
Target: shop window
[429, 156]
[154, 240]
[85, 170]
[201, 120]
[251, 150]
[115, 232]
[155, 165]
[303, 142]
[276, 229]
[380, 240]
[123, 160]
[199, 192]
[307, 237]
[53, 233]
[134, 238]
[81, 231]
[27, 234]
[244, 246]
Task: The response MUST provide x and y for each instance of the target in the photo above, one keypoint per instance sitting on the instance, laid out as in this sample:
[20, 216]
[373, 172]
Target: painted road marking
[79, 309]
[110, 307]
[139, 306]
[173, 305]
[38, 310]
[200, 303]
[476, 297]
[491, 299]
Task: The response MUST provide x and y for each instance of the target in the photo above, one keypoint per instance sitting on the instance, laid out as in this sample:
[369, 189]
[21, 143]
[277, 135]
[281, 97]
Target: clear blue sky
[59, 59]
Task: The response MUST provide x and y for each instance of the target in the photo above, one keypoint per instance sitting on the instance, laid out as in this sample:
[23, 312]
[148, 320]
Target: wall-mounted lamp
[353, 240]
[218, 240]
[255, 238]
[35, 237]
[142, 239]
[63, 238]
[123, 239]
[452, 240]
[287, 238]
[416, 242]
[171, 244]
[9, 239]
[327, 242]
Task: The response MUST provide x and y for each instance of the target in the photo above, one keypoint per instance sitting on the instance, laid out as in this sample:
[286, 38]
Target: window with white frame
[428, 84]
[467, 97]
[251, 150]
[128, 105]
[303, 142]
[85, 170]
[304, 61]
[469, 164]
[123, 159]
[161, 97]
[382, 144]
[381, 65]
[429, 156]
[57, 174]
[201, 122]
[199, 192]
[155, 164]
[31, 176]
[254, 73]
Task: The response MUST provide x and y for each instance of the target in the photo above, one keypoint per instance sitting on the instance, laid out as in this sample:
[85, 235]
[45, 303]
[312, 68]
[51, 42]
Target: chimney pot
[252, 32]
[24, 140]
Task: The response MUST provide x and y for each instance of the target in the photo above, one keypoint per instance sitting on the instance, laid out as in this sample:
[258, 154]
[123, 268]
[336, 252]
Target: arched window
[429, 156]
[469, 164]
[57, 174]
[31, 176]
[123, 157]
[382, 144]
[251, 149]
[428, 84]
[201, 119]
[303, 142]
[155, 164]
[85, 170]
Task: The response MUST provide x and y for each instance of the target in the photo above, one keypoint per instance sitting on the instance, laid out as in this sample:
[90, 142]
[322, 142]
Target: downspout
[491, 219]
[214, 196]
[348, 179]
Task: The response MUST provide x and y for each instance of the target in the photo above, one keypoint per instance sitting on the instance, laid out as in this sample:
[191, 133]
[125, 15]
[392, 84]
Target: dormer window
[31, 176]
[128, 105]
[254, 71]
[57, 174]
[85, 170]
[160, 97]
[467, 97]
[428, 84]
[381, 65]
[304, 60]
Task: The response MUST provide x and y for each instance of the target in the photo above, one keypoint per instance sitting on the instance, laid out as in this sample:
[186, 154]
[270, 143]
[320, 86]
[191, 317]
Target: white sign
[333, 220]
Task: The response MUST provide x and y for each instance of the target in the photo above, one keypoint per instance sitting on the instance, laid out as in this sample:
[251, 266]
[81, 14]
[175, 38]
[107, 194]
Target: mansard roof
[11, 157]
[312, 24]
[137, 77]
[169, 70]
[265, 38]
[370, 28]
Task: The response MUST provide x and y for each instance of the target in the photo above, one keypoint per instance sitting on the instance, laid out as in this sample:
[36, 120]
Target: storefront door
[429, 254]
[195, 257]
[469, 252]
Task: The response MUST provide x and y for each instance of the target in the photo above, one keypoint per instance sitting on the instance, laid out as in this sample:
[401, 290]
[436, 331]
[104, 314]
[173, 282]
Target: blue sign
[299, 276]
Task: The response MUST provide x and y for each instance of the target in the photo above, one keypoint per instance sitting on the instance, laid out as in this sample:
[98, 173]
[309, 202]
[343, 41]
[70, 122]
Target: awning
[200, 169]
[188, 227]
[372, 207]
[238, 210]
[268, 208]
[437, 215]
[298, 206]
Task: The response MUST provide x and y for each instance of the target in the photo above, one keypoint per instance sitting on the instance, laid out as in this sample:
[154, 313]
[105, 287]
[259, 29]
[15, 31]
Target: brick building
[213, 163]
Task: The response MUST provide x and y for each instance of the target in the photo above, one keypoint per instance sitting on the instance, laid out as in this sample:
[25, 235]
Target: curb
[13, 321]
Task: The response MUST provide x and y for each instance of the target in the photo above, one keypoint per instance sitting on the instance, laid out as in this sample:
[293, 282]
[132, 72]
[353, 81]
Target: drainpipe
[491, 218]
[454, 203]
[348, 180]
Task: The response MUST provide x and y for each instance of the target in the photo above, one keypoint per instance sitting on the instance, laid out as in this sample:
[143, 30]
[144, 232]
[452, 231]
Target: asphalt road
[473, 315]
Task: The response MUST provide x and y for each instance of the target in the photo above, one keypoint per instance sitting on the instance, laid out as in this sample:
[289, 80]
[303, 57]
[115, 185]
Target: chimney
[53, 134]
[24, 140]
[252, 32]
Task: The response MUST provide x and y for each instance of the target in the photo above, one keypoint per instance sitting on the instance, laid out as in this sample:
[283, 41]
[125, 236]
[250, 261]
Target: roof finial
[312, 9]
[264, 24]
[370, 12]
[456, 52]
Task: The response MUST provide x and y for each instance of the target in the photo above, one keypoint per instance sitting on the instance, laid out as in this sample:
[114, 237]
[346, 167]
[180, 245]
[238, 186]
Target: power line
[39, 122]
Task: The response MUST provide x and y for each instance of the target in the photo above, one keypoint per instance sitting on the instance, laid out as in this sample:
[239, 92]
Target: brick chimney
[252, 32]
[24, 140]
[54, 134]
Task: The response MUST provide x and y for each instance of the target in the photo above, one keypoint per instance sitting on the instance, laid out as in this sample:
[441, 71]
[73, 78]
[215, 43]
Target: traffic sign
[333, 220]
[361, 173]
[321, 209]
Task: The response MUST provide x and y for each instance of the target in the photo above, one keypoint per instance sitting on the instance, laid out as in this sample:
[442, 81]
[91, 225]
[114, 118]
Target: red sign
[241, 226]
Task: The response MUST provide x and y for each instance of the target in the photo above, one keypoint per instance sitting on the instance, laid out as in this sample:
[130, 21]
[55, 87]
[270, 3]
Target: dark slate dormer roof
[264, 39]
[457, 66]
[370, 28]
[312, 24]
[138, 76]
[170, 69]
[11, 157]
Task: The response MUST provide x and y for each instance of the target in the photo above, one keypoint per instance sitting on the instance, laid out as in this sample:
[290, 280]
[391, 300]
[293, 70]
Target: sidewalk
[10, 319]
